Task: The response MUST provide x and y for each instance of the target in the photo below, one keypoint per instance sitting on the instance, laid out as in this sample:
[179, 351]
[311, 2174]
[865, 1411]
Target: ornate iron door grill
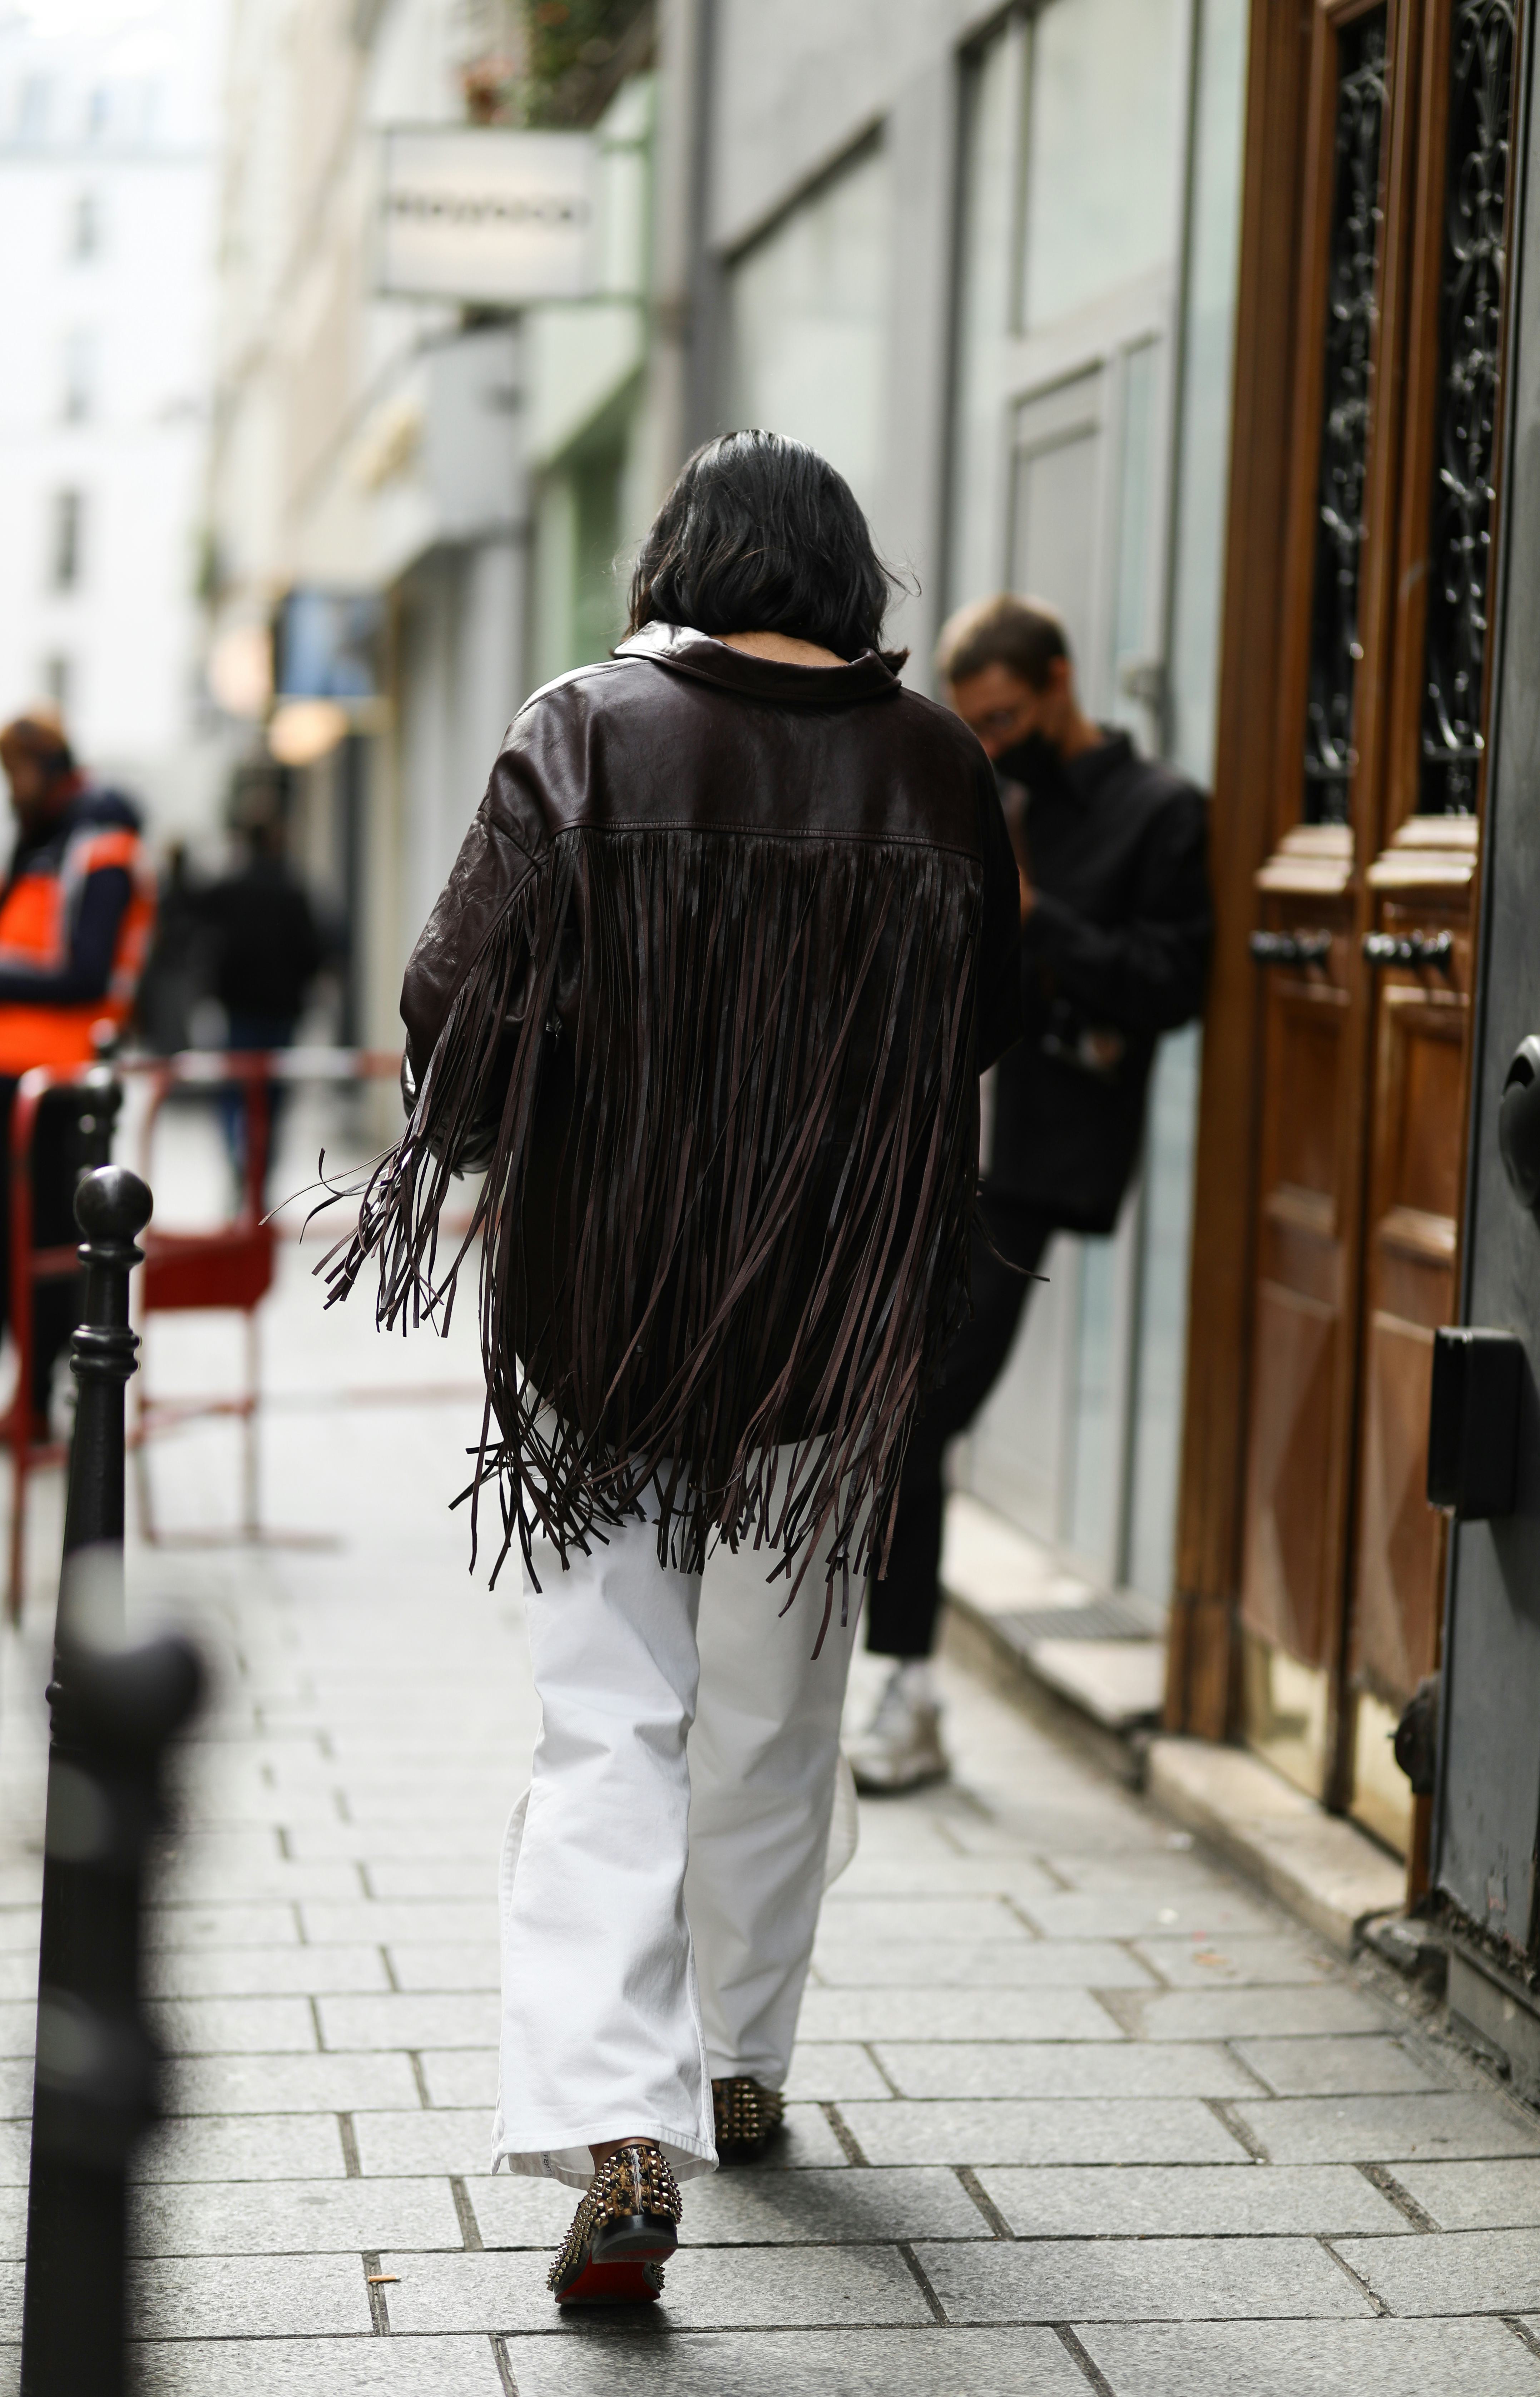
[1352, 315]
[1472, 281]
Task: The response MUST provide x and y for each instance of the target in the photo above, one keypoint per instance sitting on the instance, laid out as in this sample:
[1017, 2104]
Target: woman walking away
[730, 941]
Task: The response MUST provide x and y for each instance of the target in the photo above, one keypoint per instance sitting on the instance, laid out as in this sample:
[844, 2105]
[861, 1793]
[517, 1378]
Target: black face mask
[1033, 759]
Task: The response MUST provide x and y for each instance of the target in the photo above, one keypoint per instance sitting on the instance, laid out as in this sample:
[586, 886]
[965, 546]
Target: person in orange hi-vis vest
[76, 910]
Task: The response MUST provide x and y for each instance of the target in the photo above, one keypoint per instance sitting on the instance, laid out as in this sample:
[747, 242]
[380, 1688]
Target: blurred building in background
[458, 464]
[108, 184]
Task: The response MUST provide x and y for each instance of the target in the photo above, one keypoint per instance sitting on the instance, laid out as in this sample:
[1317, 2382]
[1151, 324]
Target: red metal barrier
[231, 1266]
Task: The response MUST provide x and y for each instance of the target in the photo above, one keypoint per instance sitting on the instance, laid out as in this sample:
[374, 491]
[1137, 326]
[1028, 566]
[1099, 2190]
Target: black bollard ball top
[112, 1204]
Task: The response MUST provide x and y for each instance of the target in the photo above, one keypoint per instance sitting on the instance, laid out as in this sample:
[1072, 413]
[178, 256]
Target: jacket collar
[1079, 778]
[706, 659]
[1086, 773]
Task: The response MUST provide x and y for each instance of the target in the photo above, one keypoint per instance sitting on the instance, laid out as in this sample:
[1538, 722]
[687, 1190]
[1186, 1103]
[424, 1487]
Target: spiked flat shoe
[747, 2116]
[622, 2233]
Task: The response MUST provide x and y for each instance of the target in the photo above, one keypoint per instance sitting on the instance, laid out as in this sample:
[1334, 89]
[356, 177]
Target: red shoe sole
[629, 2280]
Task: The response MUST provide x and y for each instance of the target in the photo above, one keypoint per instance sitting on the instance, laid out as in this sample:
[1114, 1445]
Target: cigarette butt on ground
[376, 2279]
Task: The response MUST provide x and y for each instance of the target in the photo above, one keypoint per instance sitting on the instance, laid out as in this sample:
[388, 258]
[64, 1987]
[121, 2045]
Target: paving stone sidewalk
[1074, 2109]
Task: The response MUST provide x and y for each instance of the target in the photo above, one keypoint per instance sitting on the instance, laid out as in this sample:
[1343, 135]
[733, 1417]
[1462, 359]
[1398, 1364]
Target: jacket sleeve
[496, 858]
[1148, 972]
[999, 1017]
[86, 972]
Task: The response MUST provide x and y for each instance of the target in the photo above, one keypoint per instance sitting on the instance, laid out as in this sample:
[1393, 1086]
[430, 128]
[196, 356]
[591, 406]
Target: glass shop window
[66, 540]
[78, 394]
[808, 323]
[84, 225]
[1103, 122]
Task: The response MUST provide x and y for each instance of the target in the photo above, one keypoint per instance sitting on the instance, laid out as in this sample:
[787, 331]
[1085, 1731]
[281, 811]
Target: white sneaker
[901, 1748]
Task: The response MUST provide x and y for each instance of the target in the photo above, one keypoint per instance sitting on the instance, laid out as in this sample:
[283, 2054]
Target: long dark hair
[761, 535]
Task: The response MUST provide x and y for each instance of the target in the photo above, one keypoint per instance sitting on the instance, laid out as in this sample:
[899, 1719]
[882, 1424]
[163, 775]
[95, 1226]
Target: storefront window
[1208, 333]
[991, 137]
[1103, 126]
[807, 324]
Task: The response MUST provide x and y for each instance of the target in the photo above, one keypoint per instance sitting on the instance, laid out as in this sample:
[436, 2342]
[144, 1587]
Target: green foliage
[559, 63]
[573, 47]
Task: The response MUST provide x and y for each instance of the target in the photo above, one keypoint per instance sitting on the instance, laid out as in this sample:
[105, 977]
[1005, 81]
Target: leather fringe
[728, 1085]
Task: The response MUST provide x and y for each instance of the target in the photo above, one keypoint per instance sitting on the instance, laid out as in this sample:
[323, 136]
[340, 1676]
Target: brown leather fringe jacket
[722, 957]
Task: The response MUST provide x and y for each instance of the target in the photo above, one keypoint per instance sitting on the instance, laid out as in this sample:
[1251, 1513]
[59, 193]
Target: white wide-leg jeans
[660, 1881]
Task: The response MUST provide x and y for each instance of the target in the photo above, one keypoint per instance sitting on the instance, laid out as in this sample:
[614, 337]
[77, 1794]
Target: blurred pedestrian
[171, 984]
[706, 996]
[267, 949]
[1116, 927]
[76, 911]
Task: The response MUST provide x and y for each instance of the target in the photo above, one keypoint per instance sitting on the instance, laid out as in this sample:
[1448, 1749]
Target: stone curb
[971, 1637]
[1321, 1867]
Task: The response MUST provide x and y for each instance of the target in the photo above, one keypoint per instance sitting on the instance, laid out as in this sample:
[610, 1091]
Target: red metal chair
[230, 1266]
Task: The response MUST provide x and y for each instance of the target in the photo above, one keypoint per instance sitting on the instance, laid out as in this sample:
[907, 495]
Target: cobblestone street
[1074, 2109]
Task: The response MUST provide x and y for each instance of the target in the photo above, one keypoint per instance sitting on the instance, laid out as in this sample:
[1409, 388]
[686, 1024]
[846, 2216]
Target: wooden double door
[1351, 765]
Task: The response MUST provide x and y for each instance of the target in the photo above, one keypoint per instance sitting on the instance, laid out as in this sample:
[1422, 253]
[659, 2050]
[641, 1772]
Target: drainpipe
[681, 399]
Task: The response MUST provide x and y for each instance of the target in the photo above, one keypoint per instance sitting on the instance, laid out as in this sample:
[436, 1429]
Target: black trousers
[903, 1607]
[54, 1165]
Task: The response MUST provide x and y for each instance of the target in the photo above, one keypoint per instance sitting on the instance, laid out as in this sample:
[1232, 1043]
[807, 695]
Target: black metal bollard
[112, 1206]
[114, 1713]
[101, 1102]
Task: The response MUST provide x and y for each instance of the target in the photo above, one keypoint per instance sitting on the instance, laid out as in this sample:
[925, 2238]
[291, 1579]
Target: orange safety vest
[37, 915]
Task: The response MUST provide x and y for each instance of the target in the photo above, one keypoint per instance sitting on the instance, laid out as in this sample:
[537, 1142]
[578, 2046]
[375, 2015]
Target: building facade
[470, 466]
[107, 218]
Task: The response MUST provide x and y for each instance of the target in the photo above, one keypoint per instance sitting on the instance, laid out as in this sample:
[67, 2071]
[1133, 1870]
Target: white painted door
[1087, 531]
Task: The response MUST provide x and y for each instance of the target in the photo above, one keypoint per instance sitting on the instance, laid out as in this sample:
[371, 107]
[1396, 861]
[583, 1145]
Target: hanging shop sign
[487, 217]
[326, 643]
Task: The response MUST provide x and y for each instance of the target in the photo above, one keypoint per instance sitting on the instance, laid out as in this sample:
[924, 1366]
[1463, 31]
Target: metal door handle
[1409, 950]
[1290, 948]
[1519, 1123]
[1473, 1422]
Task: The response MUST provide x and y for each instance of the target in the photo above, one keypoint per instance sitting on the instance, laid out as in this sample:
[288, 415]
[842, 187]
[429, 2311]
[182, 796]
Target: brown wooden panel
[1396, 1599]
[1289, 1570]
[1202, 1652]
[1415, 1197]
[1402, 1273]
[1288, 1560]
[1302, 1255]
[1304, 1066]
[1426, 1105]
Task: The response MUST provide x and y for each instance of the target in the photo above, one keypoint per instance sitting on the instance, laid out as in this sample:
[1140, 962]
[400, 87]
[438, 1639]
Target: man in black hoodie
[268, 949]
[1116, 928]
